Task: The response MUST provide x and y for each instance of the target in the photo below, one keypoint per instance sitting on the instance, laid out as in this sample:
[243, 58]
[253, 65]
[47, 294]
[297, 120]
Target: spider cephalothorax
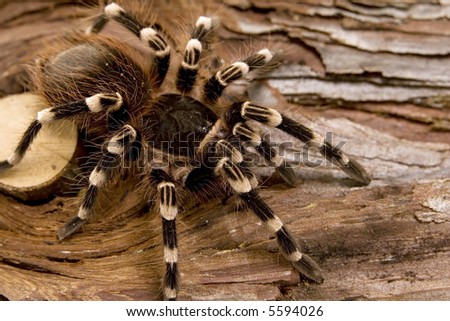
[119, 93]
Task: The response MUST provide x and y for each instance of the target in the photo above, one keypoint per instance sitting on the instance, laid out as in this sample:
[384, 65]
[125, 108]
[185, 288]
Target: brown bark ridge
[374, 73]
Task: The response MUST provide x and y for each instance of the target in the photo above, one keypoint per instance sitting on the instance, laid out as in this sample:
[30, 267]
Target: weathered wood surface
[375, 74]
[46, 167]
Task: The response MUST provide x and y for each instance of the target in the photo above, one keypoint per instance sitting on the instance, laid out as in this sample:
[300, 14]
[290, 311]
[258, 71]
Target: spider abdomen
[92, 66]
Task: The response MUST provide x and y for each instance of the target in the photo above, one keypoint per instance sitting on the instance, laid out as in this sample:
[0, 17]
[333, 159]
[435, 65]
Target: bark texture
[374, 73]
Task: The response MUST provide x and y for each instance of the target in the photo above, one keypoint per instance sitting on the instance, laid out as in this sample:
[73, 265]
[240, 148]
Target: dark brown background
[375, 73]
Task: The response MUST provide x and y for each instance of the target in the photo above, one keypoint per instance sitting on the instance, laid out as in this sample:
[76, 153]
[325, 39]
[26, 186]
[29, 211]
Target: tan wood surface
[47, 163]
[375, 74]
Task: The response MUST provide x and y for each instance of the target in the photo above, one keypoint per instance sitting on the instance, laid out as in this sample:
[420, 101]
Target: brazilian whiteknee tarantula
[105, 87]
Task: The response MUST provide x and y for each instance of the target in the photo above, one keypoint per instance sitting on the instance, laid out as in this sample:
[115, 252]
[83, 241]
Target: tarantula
[108, 88]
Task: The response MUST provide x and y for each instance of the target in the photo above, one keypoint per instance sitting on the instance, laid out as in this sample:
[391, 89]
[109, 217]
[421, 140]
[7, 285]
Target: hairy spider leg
[95, 104]
[215, 85]
[242, 181]
[270, 154]
[286, 242]
[187, 72]
[111, 159]
[241, 112]
[273, 158]
[168, 209]
[229, 165]
[149, 35]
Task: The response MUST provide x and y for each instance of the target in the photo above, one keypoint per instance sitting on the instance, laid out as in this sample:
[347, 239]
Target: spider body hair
[85, 65]
[186, 139]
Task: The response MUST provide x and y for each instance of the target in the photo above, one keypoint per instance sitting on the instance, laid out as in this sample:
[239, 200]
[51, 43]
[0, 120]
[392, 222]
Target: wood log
[47, 166]
[371, 72]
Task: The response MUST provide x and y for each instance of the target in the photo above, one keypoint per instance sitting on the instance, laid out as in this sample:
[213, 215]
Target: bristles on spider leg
[288, 246]
[171, 278]
[230, 151]
[148, 35]
[5, 165]
[168, 201]
[99, 177]
[93, 104]
[88, 202]
[271, 155]
[96, 179]
[102, 102]
[215, 85]
[203, 28]
[115, 12]
[261, 114]
[10, 162]
[260, 59]
[161, 50]
[70, 227]
[287, 174]
[349, 166]
[331, 153]
[187, 73]
[235, 177]
[168, 209]
[171, 282]
[245, 133]
[301, 262]
[25, 142]
[271, 117]
[97, 25]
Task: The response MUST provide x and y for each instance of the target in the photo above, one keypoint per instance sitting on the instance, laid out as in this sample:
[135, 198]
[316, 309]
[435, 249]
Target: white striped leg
[148, 35]
[187, 73]
[168, 209]
[216, 84]
[270, 154]
[240, 181]
[93, 104]
[286, 242]
[244, 111]
[111, 158]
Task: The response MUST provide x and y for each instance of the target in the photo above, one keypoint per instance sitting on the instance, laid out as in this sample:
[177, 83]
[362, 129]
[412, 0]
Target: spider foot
[356, 171]
[309, 268]
[287, 174]
[70, 227]
[5, 165]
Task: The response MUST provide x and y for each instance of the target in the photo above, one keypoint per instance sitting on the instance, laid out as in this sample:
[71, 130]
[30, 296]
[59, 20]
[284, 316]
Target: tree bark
[374, 74]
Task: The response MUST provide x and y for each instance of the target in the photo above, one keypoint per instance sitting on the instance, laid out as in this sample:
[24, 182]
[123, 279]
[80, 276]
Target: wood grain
[48, 164]
[372, 72]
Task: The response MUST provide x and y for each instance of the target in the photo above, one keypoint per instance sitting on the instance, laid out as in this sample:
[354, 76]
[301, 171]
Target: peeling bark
[374, 73]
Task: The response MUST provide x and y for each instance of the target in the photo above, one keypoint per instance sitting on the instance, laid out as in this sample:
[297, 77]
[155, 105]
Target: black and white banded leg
[215, 85]
[95, 104]
[111, 159]
[270, 154]
[241, 182]
[187, 73]
[286, 242]
[244, 111]
[168, 209]
[149, 35]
